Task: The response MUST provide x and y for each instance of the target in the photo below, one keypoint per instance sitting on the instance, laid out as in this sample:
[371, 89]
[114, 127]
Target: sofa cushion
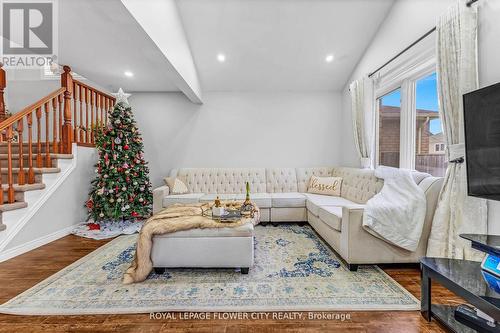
[315, 201]
[331, 215]
[288, 200]
[189, 198]
[176, 185]
[325, 185]
[281, 180]
[262, 200]
[304, 175]
[223, 180]
[245, 230]
[358, 185]
[222, 197]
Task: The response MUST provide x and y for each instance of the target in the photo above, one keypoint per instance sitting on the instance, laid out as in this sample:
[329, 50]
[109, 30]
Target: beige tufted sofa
[281, 194]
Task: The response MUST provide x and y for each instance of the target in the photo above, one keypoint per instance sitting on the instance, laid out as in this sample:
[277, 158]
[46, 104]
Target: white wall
[25, 87]
[407, 21]
[489, 73]
[63, 209]
[238, 130]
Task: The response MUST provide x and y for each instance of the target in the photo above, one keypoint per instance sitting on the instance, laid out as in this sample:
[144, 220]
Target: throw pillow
[176, 185]
[325, 185]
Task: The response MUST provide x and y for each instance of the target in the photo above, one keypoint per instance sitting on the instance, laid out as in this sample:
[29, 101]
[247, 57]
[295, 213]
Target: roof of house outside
[393, 112]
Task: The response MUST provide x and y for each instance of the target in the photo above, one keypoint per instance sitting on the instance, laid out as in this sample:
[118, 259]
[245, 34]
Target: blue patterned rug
[294, 271]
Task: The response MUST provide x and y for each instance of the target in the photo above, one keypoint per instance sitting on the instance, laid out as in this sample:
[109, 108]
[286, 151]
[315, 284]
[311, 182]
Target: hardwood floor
[23, 272]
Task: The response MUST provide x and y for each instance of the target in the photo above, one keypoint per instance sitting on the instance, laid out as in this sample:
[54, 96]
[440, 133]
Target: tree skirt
[107, 229]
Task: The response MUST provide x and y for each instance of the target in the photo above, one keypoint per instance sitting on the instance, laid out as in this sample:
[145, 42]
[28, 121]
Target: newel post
[3, 84]
[67, 128]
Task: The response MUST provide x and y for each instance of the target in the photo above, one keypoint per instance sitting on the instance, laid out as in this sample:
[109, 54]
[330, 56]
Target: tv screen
[482, 142]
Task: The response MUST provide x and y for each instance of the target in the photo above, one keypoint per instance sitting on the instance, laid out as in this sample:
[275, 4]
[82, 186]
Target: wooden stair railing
[49, 126]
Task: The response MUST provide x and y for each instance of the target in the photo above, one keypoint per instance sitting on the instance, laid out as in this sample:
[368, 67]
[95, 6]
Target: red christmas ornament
[135, 214]
[126, 147]
[93, 226]
[90, 204]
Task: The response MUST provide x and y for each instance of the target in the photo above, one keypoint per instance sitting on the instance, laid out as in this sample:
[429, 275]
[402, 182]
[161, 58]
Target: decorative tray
[230, 216]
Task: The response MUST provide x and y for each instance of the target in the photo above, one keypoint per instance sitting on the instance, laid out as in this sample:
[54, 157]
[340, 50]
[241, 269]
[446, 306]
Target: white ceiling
[279, 44]
[270, 45]
[101, 40]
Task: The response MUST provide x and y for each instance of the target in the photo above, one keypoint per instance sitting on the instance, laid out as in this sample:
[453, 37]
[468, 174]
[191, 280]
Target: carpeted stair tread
[25, 187]
[52, 155]
[36, 170]
[12, 206]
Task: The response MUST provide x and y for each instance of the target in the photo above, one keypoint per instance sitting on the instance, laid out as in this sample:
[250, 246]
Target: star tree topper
[121, 96]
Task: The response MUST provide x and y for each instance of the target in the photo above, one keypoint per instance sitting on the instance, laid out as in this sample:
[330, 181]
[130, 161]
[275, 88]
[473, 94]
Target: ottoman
[207, 248]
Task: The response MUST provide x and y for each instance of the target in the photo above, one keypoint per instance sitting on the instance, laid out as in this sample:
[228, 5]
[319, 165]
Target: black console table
[464, 279]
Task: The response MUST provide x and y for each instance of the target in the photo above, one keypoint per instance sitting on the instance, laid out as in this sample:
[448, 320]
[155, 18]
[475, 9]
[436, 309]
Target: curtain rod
[469, 3]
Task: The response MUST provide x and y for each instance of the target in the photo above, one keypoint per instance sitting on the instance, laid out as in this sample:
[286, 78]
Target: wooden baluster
[21, 179]
[55, 147]
[10, 178]
[92, 115]
[81, 132]
[87, 133]
[102, 111]
[75, 118]
[48, 158]
[31, 171]
[3, 84]
[60, 123]
[39, 159]
[97, 110]
[67, 82]
[108, 103]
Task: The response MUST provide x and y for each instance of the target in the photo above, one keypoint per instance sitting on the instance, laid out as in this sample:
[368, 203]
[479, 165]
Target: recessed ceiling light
[329, 58]
[221, 57]
[128, 73]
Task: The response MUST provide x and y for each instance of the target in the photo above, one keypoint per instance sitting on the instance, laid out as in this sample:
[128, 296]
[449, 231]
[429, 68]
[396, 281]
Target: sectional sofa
[281, 194]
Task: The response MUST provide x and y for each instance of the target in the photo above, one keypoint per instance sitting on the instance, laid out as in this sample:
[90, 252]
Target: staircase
[36, 141]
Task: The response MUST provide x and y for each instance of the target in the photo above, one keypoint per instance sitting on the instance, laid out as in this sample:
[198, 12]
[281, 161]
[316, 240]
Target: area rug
[294, 271]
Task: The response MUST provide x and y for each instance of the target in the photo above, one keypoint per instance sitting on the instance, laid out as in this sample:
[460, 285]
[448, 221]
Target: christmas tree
[121, 189]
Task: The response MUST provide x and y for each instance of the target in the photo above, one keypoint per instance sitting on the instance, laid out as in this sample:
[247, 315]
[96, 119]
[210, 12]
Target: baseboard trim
[31, 245]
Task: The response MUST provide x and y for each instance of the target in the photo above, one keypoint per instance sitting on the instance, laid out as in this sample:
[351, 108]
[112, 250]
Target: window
[409, 131]
[389, 111]
[429, 130]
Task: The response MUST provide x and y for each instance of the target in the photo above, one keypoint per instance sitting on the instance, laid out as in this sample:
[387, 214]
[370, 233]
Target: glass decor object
[247, 206]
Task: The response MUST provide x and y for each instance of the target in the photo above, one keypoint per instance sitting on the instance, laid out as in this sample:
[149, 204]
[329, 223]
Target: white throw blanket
[397, 213]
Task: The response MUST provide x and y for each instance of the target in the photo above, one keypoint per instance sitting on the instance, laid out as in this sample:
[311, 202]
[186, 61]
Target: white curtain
[456, 213]
[360, 110]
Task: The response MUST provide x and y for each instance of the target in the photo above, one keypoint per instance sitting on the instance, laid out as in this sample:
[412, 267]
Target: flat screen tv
[482, 142]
